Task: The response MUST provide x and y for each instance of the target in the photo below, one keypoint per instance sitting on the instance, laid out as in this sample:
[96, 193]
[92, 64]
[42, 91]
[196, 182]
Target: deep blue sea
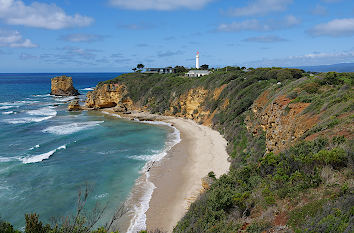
[47, 153]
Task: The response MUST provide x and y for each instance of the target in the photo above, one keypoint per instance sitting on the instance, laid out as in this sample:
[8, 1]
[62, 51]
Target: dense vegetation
[308, 187]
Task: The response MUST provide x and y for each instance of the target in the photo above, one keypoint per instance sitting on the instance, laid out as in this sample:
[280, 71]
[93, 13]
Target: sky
[116, 35]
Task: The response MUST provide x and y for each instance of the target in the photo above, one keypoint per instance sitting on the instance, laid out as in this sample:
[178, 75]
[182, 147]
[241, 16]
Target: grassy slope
[308, 187]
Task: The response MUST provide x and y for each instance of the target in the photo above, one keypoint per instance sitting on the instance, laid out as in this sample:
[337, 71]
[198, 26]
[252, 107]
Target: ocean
[48, 154]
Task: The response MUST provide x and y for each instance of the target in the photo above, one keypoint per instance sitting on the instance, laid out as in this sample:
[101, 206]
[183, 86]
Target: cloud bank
[334, 28]
[40, 15]
[13, 39]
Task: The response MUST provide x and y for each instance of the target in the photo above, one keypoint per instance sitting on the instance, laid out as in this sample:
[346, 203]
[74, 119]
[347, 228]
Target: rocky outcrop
[120, 107]
[63, 86]
[207, 181]
[74, 105]
[190, 105]
[107, 96]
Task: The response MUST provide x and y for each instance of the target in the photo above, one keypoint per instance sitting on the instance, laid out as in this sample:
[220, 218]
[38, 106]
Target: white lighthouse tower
[197, 61]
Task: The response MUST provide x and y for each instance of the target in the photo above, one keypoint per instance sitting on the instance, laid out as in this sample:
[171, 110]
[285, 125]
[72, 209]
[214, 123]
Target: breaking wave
[24, 120]
[46, 111]
[88, 89]
[64, 99]
[41, 157]
[71, 128]
[138, 221]
[8, 113]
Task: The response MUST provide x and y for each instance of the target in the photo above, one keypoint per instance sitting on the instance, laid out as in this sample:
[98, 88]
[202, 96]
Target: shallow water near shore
[48, 153]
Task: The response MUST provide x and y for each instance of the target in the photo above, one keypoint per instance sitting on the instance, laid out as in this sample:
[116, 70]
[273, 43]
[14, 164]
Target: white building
[197, 73]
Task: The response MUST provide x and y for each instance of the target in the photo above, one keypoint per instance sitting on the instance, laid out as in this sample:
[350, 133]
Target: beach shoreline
[177, 177]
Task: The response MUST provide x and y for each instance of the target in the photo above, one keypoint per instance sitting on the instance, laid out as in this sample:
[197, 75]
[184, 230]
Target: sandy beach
[178, 175]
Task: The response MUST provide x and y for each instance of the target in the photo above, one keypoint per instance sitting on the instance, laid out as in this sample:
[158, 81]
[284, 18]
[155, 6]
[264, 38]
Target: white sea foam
[45, 95]
[138, 222]
[46, 111]
[25, 102]
[36, 115]
[7, 159]
[24, 120]
[71, 128]
[111, 114]
[7, 107]
[100, 196]
[8, 113]
[34, 147]
[88, 89]
[64, 99]
[41, 157]
[16, 104]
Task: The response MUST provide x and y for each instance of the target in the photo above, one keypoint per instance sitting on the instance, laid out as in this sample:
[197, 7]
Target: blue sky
[115, 35]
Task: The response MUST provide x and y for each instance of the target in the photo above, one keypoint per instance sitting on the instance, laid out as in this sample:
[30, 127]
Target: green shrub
[258, 227]
[298, 216]
[6, 227]
[311, 87]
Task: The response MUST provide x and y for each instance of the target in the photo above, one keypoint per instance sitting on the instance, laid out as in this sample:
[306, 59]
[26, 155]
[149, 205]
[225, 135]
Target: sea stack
[63, 86]
[74, 105]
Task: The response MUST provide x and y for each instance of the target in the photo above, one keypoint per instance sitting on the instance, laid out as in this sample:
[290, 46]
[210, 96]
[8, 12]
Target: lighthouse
[197, 61]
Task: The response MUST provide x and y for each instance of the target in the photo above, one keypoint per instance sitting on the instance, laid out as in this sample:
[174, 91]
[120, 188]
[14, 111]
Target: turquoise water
[47, 153]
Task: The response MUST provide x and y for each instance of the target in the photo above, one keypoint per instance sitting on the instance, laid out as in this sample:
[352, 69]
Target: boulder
[207, 181]
[63, 86]
[120, 107]
[74, 106]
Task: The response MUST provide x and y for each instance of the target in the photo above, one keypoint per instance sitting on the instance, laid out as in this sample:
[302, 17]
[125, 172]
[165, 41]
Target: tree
[134, 69]
[204, 67]
[180, 69]
[140, 66]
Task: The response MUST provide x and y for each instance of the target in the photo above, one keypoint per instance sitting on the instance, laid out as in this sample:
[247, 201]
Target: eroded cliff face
[111, 95]
[282, 121]
[190, 104]
[107, 96]
[63, 86]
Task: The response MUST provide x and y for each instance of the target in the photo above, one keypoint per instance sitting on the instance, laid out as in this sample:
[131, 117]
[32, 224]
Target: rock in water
[74, 106]
[63, 86]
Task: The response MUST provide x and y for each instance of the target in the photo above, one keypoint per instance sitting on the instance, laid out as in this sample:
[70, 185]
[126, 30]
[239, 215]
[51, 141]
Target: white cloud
[256, 25]
[162, 5]
[41, 15]
[261, 7]
[14, 39]
[310, 59]
[334, 28]
[77, 37]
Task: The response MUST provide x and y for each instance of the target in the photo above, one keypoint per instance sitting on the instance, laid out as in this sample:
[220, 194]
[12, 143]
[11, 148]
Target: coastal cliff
[289, 134]
[63, 86]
